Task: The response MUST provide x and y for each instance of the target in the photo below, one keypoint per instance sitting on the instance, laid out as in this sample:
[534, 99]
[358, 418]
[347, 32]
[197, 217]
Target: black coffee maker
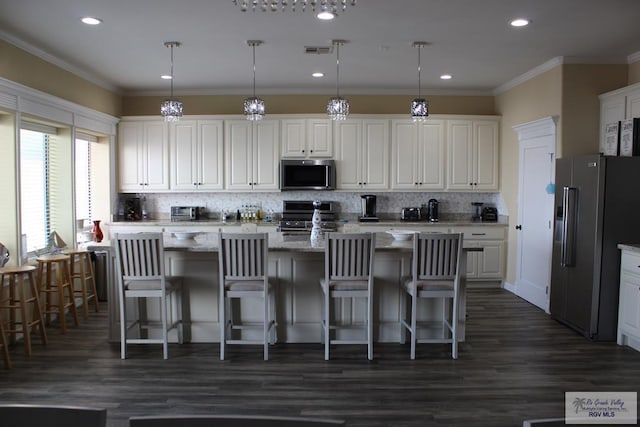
[432, 210]
[368, 208]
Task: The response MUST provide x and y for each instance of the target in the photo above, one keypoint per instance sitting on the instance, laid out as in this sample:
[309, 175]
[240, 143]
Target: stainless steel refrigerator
[597, 203]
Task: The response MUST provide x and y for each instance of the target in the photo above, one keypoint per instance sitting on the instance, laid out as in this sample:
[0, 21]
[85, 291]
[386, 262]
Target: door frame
[527, 132]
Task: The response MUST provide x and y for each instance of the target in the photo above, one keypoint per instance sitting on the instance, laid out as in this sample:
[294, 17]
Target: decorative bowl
[402, 234]
[185, 235]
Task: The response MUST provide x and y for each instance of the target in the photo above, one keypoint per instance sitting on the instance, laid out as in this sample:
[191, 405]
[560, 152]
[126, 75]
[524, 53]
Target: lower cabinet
[629, 307]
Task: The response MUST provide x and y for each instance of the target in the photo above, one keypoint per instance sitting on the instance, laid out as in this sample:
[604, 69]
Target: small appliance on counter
[432, 210]
[477, 211]
[130, 209]
[489, 214]
[411, 214]
[368, 208]
[187, 213]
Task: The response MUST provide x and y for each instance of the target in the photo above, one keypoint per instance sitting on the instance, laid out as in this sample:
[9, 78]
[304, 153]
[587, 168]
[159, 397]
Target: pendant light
[419, 106]
[337, 107]
[254, 107]
[171, 109]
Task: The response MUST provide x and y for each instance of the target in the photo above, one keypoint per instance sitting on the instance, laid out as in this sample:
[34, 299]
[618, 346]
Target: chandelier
[326, 9]
[419, 106]
[254, 107]
[171, 109]
[337, 107]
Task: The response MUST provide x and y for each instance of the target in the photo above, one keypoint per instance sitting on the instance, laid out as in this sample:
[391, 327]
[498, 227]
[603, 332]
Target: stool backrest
[243, 256]
[230, 421]
[140, 256]
[436, 256]
[349, 256]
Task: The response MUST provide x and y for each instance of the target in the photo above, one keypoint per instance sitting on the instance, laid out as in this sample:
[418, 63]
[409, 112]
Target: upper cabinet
[143, 156]
[251, 155]
[472, 155]
[418, 155]
[196, 155]
[362, 154]
[306, 138]
[618, 105]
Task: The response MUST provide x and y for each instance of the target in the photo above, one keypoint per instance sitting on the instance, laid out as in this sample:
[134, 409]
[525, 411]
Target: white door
[535, 211]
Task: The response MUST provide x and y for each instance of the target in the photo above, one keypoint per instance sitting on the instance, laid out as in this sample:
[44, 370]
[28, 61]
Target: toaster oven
[186, 213]
[411, 214]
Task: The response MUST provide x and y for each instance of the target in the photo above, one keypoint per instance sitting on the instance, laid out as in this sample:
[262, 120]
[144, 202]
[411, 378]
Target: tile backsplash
[159, 204]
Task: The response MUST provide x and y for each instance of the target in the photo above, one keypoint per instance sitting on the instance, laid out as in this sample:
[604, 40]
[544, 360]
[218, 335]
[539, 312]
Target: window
[83, 176]
[34, 188]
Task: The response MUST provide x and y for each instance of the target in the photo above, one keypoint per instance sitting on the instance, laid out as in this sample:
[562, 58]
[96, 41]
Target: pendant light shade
[171, 109]
[337, 107]
[419, 106]
[254, 106]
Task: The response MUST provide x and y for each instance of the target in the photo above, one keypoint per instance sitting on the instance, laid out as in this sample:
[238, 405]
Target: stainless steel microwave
[307, 175]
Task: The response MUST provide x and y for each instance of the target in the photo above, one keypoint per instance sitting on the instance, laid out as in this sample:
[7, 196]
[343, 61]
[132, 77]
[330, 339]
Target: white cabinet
[472, 155]
[618, 105]
[306, 138]
[417, 155]
[629, 304]
[362, 154]
[196, 155]
[143, 156]
[251, 155]
[488, 265]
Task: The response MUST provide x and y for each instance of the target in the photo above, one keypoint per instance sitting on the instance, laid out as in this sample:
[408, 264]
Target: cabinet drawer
[481, 233]
[630, 262]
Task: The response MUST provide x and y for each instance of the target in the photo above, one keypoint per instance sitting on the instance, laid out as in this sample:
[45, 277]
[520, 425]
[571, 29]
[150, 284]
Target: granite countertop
[633, 247]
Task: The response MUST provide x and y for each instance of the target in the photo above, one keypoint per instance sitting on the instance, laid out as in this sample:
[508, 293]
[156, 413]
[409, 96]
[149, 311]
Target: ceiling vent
[318, 50]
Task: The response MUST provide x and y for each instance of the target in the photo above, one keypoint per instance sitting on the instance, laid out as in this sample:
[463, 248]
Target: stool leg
[92, 281]
[13, 328]
[24, 319]
[72, 300]
[80, 274]
[36, 313]
[5, 347]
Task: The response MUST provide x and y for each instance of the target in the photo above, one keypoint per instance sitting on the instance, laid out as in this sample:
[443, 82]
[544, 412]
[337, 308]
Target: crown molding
[534, 72]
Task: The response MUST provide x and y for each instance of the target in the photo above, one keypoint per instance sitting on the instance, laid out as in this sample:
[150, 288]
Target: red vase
[97, 232]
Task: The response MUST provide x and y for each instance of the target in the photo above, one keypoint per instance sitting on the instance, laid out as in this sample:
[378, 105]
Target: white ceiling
[470, 39]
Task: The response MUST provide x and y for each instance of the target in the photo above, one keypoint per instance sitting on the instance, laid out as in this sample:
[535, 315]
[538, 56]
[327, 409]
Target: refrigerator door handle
[569, 206]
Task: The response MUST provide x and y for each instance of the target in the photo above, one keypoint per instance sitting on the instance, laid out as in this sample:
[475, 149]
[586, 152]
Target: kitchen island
[295, 267]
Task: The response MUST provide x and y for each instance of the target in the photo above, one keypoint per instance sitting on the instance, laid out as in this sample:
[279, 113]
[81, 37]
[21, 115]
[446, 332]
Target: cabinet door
[319, 138]
[209, 159]
[294, 135]
[491, 260]
[633, 104]
[265, 155]
[156, 156]
[431, 145]
[404, 155]
[348, 154]
[485, 145]
[460, 162]
[238, 145]
[184, 157]
[612, 110]
[130, 168]
[629, 319]
[375, 154]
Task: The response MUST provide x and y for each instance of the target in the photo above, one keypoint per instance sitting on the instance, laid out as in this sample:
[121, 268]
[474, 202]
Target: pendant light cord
[338, 69]
[419, 69]
[172, 45]
[254, 70]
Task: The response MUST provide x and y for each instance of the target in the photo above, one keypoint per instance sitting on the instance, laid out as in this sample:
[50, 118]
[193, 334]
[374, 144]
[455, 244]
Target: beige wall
[28, 70]
[292, 104]
[581, 85]
[634, 73]
[536, 98]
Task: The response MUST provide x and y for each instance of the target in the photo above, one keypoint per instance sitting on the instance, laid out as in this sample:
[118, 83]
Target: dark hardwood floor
[516, 364]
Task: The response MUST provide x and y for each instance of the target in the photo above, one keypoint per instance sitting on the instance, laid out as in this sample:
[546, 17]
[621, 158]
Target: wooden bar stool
[81, 269]
[62, 282]
[17, 301]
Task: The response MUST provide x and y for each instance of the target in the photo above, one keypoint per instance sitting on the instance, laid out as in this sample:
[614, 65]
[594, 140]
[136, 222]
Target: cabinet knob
[518, 227]
[303, 151]
[415, 183]
[420, 183]
[311, 151]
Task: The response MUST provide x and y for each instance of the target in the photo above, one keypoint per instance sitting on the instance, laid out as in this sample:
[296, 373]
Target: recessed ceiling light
[446, 77]
[317, 75]
[166, 77]
[519, 22]
[90, 20]
[326, 14]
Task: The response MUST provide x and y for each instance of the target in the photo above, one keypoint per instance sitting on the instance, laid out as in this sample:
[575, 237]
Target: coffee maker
[368, 208]
[432, 210]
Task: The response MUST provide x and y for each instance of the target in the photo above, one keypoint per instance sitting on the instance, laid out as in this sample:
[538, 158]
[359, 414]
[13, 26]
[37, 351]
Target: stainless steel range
[296, 216]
